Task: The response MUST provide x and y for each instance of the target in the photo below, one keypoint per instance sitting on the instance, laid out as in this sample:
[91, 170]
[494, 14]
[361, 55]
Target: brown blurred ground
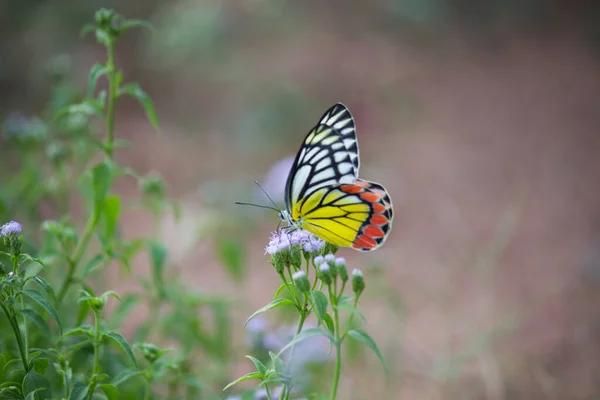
[496, 219]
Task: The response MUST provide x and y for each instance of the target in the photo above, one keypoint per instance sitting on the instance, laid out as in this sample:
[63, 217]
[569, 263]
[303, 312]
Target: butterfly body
[323, 193]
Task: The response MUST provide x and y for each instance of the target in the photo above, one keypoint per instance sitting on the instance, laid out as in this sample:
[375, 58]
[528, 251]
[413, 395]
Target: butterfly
[325, 196]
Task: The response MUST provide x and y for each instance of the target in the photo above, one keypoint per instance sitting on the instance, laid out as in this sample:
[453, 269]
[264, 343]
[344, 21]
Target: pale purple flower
[11, 228]
[309, 242]
[319, 260]
[278, 241]
[329, 257]
[340, 261]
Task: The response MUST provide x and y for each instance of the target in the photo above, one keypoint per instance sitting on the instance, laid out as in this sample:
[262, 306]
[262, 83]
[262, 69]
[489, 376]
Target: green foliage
[59, 339]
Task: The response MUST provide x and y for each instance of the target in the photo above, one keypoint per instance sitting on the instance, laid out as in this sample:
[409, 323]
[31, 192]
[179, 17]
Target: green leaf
[133, 89]
[127, 304]
[279, 290]
[37, 385]
[122, 343]
[79, 392]
[247, 377]
[124, 376]
[111, 391]
[96, 72]
[305, 334]
[89, 266]
[37, 319]
[102, 178]
[260, 367]
[158, 260]
[135, 23]
[87, 107]
[329, 323]
[27, 257]
[112, 208]
[39, 298]
[47, 289]
[40, 365]
[231, 254]
[80, 330]
[352, 309]
[273, 304]
[102, 37]
[364, 337]
[320, 304]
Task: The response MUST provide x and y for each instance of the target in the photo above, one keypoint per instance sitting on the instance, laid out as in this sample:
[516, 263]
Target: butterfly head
[284, 215]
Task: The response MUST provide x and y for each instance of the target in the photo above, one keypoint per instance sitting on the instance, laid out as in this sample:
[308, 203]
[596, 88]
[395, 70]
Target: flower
[309, 242]
[358, 281]
[340, 263]
[278, 241]
[324, 273]
[301, 281]
[11, 228]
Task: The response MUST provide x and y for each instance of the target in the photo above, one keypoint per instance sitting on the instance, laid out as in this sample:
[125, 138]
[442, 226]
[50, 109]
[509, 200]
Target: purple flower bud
[11, 228]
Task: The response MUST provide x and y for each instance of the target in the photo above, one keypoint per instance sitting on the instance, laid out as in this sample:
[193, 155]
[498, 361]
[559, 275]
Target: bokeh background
[481, 118]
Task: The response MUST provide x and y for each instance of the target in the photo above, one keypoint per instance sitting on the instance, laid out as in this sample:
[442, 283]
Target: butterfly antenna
[255, 205]
[268, 197]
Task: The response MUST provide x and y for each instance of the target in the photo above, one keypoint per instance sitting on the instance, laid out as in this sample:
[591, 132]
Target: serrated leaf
[112, 208]
[260, 367]
[122, 343]
[320, 304]
[111, 391]
[102, 178]
[273, 304]
[247, 377]
[364, 337]
[231, 255]
[96, 72]
[37, 319]
[133, 89]
[37, 385]
[40, 299]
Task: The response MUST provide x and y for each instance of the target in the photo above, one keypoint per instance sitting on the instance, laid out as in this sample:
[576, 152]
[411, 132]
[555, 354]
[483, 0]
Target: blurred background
[481, 118]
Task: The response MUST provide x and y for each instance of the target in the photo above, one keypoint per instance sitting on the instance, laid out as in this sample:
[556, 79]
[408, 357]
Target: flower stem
[78, 254]
[96, 367]
[17, 332]
[112, 97]
[338, 345]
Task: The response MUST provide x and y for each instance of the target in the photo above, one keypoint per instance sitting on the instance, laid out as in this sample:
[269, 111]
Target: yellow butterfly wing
[355, 215]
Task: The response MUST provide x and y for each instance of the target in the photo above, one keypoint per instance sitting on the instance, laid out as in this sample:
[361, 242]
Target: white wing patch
[329, 155]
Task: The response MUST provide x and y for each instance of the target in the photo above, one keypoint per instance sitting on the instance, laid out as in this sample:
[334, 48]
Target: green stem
[17, 332]
[338, 347]
[112, 97]
[78, 254]
[15, 261]
[96, 368]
